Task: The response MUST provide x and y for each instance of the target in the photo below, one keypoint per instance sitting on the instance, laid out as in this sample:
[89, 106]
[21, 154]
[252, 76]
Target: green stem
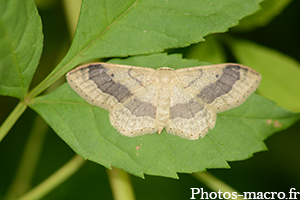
[120, 184]
[215, 184]
[31, 154]
[11, 119]
[55, 179]
[29, 159]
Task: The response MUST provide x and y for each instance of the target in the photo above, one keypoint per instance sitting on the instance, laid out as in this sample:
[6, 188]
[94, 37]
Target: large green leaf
[86, 129]
[280, 73]
[127, 27]
[21, 40]
[118, 28]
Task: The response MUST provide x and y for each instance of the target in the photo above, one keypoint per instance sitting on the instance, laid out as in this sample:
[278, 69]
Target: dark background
[274, 170]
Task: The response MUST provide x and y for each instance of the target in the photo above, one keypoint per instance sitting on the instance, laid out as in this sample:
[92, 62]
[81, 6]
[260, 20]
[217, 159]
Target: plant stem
[29, 159]
[120, 184]
[215, 184]
[55, 179]
[11, 119]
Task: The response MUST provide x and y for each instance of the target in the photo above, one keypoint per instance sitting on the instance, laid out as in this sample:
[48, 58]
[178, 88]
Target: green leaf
[210, 51]
[86, 129]
[129, 27]
[280, 73]
[119, 28]
[270, 9]
[21, 45]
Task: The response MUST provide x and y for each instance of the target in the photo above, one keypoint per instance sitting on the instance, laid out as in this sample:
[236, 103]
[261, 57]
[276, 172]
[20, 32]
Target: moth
[185, 101]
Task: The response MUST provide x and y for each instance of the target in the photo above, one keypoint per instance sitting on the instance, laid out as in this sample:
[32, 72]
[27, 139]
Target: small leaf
[270, 9]
[86, 129]
[280, 73]
[21, 40]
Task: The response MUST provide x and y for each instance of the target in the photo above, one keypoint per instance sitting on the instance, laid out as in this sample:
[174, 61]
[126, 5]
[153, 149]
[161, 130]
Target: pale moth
[145, 101]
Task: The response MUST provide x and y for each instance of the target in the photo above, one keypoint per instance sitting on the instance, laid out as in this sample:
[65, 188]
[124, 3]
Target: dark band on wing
[231, 74]
[105, 83]
[187, 110]
[140, 108]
